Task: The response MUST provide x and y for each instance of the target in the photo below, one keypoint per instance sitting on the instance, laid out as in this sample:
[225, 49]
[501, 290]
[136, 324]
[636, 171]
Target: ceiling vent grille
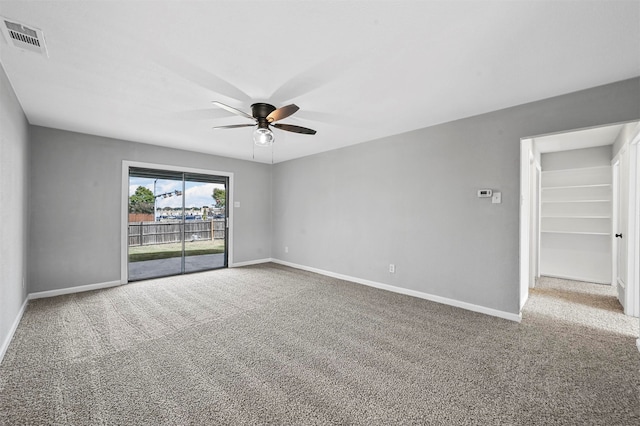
[24, 37]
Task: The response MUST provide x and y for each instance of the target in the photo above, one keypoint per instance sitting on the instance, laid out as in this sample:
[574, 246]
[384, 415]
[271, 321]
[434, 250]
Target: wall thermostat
[484, 193]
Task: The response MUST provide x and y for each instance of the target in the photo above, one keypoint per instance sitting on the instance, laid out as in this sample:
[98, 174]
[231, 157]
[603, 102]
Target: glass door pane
[205, 222]
[177, 223]
[156, 223]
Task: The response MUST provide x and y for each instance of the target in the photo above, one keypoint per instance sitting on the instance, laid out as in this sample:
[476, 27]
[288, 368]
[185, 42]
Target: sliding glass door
[177, 223]
[205, 228]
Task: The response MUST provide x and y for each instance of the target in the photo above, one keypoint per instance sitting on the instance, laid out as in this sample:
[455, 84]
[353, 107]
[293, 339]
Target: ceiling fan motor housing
[266, 115]
[260, 111]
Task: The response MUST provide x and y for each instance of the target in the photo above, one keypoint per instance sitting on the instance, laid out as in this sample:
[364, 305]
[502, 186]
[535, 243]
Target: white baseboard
[12, 330]
[576, 278]
[70, 290]
[250, 262]
[439, 299]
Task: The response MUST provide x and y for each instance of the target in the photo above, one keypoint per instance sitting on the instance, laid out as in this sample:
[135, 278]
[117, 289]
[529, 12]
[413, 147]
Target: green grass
[166, 251]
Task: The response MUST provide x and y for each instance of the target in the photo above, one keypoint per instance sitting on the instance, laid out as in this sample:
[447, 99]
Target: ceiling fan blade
[320, 74]
[233, 110]
[332, 119]
[233, 126]
[197, 75]
[295, 129]
[200, 114]
[282, 112]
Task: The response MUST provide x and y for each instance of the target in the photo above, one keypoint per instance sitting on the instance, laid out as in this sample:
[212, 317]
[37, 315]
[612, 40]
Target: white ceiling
[147, 71]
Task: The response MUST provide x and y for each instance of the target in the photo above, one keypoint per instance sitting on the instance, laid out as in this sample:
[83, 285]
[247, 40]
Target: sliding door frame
[124, 208]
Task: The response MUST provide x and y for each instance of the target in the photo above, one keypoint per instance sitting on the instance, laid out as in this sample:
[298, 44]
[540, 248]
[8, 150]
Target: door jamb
[538, 175]
[633, 227]
[615, 200]
[526, 149]
[634, 242]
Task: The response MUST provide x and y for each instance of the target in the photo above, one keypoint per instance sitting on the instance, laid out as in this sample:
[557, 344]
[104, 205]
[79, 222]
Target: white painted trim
[534, 221]
[526, 151]
[523, 303]
[638, 344]
[579, 129]
[539, 218]
[615, 182]
[632, 297]
[629, 153]
[12, 330]
[124, 218]
[251, 262]
[620, 294]
[439, 299]
[577, 278]
[71, 290]
[124, 224]
[634, 241]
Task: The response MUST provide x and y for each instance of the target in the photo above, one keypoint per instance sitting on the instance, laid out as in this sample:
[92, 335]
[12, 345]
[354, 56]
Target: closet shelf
[575, 220]
[596, 185]
[574, 217]
[577, 170]
[576, 232]
[575, 201]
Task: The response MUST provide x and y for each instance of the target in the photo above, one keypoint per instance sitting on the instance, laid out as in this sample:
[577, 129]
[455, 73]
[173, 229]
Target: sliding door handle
[618, 235]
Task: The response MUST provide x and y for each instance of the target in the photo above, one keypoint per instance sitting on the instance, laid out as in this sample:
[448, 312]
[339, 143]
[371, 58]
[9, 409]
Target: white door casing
[626, 223]
[534, 219]
[632, 239]
[526, 151]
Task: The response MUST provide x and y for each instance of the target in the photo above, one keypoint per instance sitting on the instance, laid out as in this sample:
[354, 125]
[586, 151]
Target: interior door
[621, 181]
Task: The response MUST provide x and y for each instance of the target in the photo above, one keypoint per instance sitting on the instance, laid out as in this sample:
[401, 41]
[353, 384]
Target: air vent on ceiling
[24, 37]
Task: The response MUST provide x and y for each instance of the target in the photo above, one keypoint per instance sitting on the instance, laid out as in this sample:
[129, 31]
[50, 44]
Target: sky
[198, 194]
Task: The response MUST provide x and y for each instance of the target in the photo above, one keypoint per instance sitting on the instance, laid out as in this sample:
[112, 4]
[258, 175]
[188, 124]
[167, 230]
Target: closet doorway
[578, 225]
[177, 221]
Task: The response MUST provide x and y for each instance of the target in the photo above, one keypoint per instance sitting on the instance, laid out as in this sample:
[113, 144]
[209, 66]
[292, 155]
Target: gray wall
[411, 199]
[577, 158]
[75, 205]
[14, 150]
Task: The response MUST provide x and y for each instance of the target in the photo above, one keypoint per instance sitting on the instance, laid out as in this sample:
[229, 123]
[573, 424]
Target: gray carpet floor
[268, 344]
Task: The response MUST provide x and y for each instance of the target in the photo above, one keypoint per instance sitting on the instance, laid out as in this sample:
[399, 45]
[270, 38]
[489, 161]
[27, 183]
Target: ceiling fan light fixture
[263, 137]
[265, 115]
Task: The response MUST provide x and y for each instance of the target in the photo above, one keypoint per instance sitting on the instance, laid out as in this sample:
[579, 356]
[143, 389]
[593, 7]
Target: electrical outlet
[392, 268]
[286, 249]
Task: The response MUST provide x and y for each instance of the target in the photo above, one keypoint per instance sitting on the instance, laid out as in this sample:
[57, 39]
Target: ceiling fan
[265, 115]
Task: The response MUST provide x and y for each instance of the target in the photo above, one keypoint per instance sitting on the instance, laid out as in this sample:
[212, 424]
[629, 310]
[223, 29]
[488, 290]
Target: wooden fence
[148, 233]
[140, 217]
